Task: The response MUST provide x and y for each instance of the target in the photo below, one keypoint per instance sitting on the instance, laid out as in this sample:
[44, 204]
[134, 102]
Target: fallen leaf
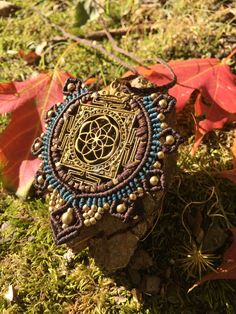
[27, 102]
[216, 101]
[31, 57]
[227, 270]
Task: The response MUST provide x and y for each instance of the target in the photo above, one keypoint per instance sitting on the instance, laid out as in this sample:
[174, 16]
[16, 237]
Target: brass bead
[50, 113]
[121, 208]
[161, 116]
[94, 207]
[71, 87]
[67, 217]
[50, 188]
[50, 208]
[85, 215]
[39, 156]
[106, 206]
[64, 226]
[157, 165]
[40, 179]
[140, 190]
[97, 216]
[163, 103]
[100, 210]
[87, 222]
[61, 202]
[92, 220]
[51, 203]
[160, 155]
[85, 207]
[154, 180]
[57, 164]
[153, 96]
[170, 139]
[164, 125]
[37, 145]
[91, 213]
[132, 197]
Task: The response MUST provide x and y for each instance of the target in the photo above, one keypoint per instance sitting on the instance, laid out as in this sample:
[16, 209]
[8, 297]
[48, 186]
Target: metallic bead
[61, 202]
[163, 103]
[98, 216]
[57, 206]
[100, 210]
[140, 190]
[42, 135]
[153, 96]
[170, 139]
[87, 222]
[132, 197]
[50, 113]
[71, 87]
[50, 208]
[57, 164]
[85, 207]
[91, 213]
[121, 208]
[154, 180]
[106, 206]
[160, 155]
[92, 220]
[51, 203]
[164, 125]
[94, 207]
[40, 179]
[157, 165]
[67, 217]
[85, 215]
[37, 145]
[161, 116]
[50, 188]
[64, 226]
[39, 156]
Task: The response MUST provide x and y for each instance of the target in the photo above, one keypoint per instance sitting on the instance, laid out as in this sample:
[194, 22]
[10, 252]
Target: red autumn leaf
[227, 270]
[216, 101]
[27, 102]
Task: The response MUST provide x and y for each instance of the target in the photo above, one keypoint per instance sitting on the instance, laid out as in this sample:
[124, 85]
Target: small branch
[97, 35]
[87, 43]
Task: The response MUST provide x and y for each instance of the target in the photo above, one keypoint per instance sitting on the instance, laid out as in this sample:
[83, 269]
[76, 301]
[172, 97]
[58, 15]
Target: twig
[118, 32]
[87, 43]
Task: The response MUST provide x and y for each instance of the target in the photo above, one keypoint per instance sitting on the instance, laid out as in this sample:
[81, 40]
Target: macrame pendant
[102, 152]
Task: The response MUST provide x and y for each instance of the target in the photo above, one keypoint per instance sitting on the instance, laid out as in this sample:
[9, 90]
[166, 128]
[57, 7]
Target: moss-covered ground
[44, 279]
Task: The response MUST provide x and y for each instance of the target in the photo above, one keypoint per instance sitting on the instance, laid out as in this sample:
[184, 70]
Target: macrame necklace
[104, 150]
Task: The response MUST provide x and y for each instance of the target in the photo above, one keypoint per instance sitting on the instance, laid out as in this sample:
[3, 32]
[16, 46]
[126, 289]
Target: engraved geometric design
[97, 139]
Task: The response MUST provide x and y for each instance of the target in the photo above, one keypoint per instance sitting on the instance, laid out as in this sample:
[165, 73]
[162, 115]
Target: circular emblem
[97, 139]
[101, 152]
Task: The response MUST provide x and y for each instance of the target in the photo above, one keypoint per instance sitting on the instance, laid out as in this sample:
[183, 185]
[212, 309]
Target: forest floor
[45, 278]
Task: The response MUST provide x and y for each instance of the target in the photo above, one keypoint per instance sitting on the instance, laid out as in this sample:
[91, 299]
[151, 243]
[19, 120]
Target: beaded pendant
[103, 151]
